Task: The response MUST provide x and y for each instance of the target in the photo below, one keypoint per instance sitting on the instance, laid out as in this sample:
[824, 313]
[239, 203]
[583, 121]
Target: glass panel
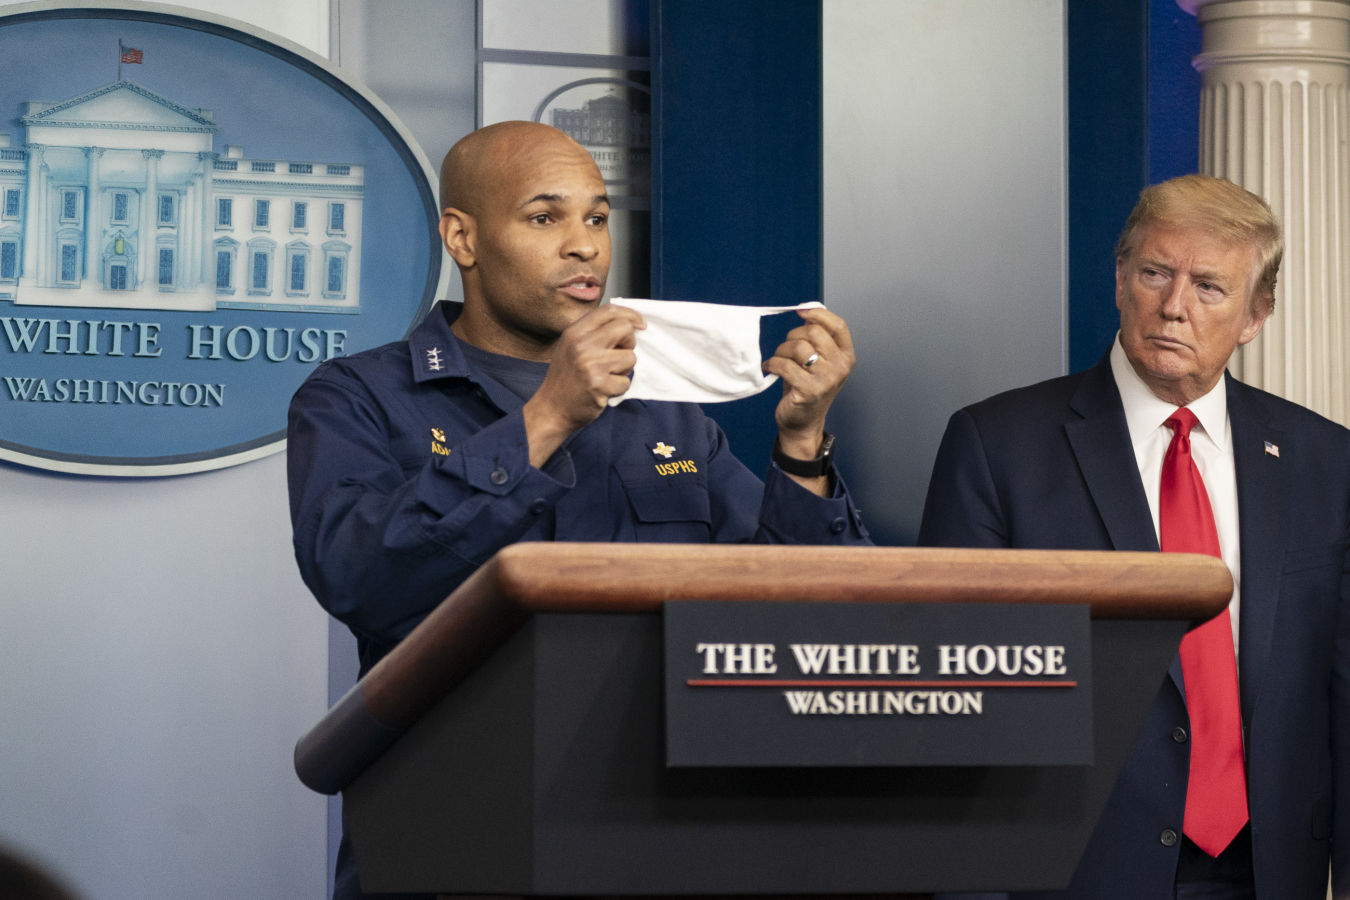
[224, 211]
[68, 262]
[264, 207]
[11, 203]
[338, 213]
[165, 265]
[9, 259]
[69, 202]
[223, 261]
[166, 209]
[334, 274]
[117, 278]
[119, 207]
[260, 270]
[300, 215]
[298, 272]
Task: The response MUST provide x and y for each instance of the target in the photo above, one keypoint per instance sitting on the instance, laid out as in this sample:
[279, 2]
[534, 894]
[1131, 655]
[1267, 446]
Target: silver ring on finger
[811, 360]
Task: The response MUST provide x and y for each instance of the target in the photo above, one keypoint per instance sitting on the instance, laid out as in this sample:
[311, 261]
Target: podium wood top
[559, 577]
[638, 578]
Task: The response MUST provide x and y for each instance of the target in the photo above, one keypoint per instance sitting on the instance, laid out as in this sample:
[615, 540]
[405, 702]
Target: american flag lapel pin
[1272, 450]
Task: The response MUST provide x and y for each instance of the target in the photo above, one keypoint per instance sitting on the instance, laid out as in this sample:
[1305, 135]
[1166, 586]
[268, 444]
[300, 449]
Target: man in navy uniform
[411, 464]
[1238, 786]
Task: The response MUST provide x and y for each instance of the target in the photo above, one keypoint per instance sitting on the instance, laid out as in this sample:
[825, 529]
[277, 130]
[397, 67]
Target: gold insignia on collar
[438, 434]
[663, 449]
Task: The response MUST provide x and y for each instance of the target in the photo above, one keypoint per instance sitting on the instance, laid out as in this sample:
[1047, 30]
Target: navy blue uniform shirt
[409, 468]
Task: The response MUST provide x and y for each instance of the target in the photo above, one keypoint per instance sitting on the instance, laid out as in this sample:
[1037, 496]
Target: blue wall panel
[736, 170]
[1108, 158]
[1134, 120]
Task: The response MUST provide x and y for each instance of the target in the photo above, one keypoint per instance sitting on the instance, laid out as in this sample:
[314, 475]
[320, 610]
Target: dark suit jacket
[1051, 466]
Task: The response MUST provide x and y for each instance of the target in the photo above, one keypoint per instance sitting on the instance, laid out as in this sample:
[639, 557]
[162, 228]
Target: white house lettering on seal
[118, 200]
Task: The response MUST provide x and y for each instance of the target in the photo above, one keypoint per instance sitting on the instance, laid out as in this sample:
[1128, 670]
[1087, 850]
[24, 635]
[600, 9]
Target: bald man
[411, 464]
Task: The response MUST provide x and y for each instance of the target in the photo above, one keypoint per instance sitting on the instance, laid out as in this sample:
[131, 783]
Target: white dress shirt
[1211, 448]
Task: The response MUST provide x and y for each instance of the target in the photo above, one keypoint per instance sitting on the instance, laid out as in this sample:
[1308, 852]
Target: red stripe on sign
[728, 682]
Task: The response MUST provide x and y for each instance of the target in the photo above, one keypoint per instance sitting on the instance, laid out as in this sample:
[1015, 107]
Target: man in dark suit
[1153, 446]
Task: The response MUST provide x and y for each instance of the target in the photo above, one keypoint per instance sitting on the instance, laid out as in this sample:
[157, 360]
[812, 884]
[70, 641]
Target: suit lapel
[1101, 444]
[1263, 491]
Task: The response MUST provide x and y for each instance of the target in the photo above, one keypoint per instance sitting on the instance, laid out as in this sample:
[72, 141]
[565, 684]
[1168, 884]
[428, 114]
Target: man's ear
[1121, 275]
[1255, 321]
[459, 233]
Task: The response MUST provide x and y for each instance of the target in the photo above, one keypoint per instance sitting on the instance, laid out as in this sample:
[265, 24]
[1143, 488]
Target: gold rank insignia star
[663, 449]
[438, 434]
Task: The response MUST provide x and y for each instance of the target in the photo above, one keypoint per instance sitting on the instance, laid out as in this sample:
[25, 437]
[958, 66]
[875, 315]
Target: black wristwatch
[804, 468]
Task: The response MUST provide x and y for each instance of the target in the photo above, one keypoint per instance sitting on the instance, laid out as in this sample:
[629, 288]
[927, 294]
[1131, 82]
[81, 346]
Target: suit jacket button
[838, 525]
[537, 507]
[1168, 837]
[499, 477]
[1179, 734]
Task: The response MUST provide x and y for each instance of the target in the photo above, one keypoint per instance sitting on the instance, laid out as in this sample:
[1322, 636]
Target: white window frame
[112, 213]
[337, 204]
[174, 266]
[12, 235]
[299, 248]
[336, 250]
[231, 248]
[160, 221]
[254, 248]
[61, 245]
[300, 207]
[260, 203]
[4, 208]
[79, 206]
[219, 223]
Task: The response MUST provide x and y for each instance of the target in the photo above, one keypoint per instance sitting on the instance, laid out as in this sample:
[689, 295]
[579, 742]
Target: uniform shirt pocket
[670, 508]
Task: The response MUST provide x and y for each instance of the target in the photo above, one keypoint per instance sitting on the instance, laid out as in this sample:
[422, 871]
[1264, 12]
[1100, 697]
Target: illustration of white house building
[117, 200]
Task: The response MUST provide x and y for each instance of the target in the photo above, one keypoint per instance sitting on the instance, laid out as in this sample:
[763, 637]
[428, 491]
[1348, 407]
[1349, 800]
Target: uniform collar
[1145, 411]
[435, 349]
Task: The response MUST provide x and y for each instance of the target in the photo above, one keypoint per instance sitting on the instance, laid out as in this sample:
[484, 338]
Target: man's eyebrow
[549, 198]
[600, 198]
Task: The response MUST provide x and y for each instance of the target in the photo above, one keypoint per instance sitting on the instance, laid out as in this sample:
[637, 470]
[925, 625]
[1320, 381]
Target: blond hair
[1221, 208]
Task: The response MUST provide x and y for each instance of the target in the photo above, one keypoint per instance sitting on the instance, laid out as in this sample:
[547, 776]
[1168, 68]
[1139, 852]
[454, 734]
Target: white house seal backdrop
[191, 219]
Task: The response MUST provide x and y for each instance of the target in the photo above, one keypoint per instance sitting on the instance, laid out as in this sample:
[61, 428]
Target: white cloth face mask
[698, 352]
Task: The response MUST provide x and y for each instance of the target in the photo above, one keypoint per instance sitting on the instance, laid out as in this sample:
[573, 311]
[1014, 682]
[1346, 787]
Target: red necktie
[1216, 795]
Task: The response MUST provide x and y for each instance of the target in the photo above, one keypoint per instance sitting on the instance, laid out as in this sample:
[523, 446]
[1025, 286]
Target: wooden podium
[513, 743]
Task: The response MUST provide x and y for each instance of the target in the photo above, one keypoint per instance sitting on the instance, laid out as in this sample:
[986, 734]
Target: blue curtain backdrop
[1134, 120]
[736, 171]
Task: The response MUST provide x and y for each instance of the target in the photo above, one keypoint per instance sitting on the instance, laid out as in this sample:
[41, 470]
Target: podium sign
[835, 684]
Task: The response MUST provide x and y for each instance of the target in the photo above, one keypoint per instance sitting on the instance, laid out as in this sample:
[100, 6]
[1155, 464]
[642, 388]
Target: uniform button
[838, 525]
[1179, 734]
[537, 507]
[499, 476]
[1168, 837]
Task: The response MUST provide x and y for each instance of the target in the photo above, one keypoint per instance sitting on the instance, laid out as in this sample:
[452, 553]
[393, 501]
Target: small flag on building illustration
[128, 55]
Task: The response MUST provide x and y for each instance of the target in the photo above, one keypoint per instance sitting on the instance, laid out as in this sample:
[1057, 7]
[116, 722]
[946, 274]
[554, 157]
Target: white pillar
[145, 249]
[1273, 119]
[188, 223]
[206, 250]
[44, 227]
[93, 221]
[31, 213]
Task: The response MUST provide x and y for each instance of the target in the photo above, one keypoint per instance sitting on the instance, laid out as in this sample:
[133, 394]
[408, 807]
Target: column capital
[94, 151]
[152, 154]
[1266, 32]
[207, 154]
